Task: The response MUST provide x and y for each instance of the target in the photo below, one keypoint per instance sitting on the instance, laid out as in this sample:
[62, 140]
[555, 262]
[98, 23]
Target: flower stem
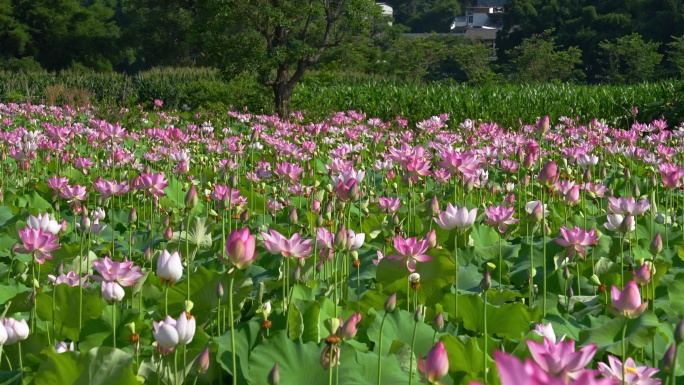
[232, 328]
[382, 324]
[484, 353]
[455, 278]
[624, 352]
[413, 342]
[114, 323]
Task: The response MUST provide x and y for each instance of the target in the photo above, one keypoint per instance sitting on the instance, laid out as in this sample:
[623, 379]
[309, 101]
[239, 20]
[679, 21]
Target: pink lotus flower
[152, 184]
[376, 261]
[549, 174]
[294, 247]
[289, 172]
[558, 358]
[577, 239]
[347, 191]
[57, 184]
[514, 372]
[71, 278]
[110, 187]
[454, 217]
[389, 205]
[634, 375]
[435, 366]
[501, 217]
[628, 301]
[348, 330]
[38, 243]
[628, 206]
[642, 274]
[410, 251]
[240, 248]
[74, 194]
[125, 273]
[619, 224]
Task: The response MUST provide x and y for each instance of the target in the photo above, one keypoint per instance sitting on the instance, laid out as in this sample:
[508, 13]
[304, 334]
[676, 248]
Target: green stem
[232, 328]
[624, 353]
[484, 353]
[500, 265]
[187, 255]
[382, 324]
[543, 230]
[455, 278]
[674, 366]
[413, 342]
[577, 267]
[114, 323]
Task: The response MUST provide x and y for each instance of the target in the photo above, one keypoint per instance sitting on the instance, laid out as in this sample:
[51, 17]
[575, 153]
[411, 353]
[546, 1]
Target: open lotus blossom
[435, 366]
[355, 240]
[110, 187]
[634, 375]
[577, 240]
[559, 358]
[456, 218]
[628, 301]
[410, 251]
[547, 332]
[44, 222]
[627, 206]
[501, 217]
[389, 205]
[514, 372]
[153, 184]
[125, 273]
[37, 243]
[63, 347]
[294, 247]
[71, 279]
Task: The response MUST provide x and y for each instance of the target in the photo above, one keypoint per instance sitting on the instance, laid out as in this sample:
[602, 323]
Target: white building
[387, 12]
[478, 17]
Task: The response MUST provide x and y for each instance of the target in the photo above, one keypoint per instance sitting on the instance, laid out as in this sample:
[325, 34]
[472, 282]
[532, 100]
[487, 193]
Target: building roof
[481, 33]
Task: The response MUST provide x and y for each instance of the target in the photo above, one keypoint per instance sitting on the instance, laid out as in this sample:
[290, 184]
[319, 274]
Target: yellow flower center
[630, 369]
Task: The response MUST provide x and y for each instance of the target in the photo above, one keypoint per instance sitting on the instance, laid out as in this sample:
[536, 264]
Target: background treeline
[582, 41]
[130, 52]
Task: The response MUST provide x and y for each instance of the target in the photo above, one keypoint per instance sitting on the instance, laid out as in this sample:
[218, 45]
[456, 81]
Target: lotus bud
[433, 208]
[656, 245]
[566, 273]
[510, 200]
[419, 315]
[626, 224]
[569, 292]
[168, 234]
[274, 375]
[232, 181]
[548, 174]
[191, 198]
[147, 255]
[133, 216]
[349, 329]
[202, 361]
[431, 238]
[341, 239]
[520, 155]
[679, 332]
[543, 125]
[627, 173]
[670, 359]
[292, 218]
[587, 175]
[528, 161]
[438, 322]
[391, 303]
[244, 216]
[603, 173]
[642, 274]
[220, 291]
[486, 281]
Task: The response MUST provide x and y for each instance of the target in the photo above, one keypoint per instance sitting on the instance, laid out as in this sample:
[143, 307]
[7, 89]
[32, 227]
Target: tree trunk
[283, 94]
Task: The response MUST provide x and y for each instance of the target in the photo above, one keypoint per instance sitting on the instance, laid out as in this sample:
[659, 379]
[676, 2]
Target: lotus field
[242, 249]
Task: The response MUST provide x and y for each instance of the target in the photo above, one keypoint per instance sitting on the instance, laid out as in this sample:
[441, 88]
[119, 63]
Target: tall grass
[323, 93]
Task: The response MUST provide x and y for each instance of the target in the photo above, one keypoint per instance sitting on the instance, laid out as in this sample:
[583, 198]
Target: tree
[630, 59]
[675, 55]
[281, 39]
[538, 59]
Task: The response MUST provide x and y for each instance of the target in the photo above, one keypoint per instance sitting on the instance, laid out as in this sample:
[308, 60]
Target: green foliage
[539, 59]
[675, 55]
[630, 59]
